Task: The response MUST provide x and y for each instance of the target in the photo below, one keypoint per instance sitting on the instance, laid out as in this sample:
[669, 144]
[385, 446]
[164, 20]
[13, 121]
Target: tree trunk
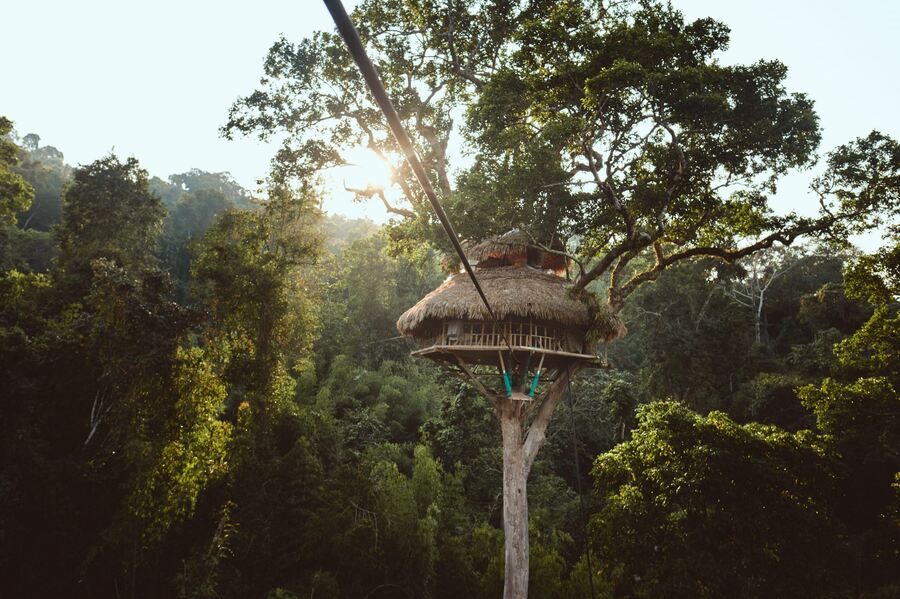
[515, 504]
[519, 451]
[759, 315]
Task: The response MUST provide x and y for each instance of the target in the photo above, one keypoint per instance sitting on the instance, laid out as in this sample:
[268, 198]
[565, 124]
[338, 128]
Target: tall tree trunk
[519, 451]
[515, 504]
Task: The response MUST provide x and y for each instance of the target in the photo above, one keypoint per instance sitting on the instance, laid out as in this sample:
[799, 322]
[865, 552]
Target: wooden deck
[484, 354]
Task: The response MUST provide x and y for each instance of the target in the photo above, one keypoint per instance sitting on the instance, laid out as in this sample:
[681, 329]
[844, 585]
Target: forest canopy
[204, 393]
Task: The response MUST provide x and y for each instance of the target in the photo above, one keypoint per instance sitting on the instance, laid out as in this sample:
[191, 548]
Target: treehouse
[539, 329]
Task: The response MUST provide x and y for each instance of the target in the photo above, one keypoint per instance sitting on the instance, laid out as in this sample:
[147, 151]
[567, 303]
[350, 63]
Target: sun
[350, 188]
[365, 168]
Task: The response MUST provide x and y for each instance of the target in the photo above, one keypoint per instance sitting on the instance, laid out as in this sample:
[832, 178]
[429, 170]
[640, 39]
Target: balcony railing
[490, 334]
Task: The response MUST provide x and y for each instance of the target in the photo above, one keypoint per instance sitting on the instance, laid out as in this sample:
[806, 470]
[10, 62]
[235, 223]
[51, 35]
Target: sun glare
[365, 169]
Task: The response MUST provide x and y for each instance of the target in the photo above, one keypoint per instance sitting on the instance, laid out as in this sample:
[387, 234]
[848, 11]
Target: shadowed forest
[204, 393]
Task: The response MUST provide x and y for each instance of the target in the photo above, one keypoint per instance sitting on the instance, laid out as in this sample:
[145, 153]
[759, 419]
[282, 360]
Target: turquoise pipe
[534, 384]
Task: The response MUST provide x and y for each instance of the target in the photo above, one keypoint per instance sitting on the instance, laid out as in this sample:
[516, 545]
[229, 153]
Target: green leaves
[863, 178]
[876, 278]
[108, 213]
[698, 506]
[626, 89]
[192, 451]
[249, 273]
[15, 193]
[858, 407]
[612, 128]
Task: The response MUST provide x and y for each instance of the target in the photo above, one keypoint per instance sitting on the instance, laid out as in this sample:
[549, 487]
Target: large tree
[249, 275]
[108, 213]
[609, 125]
[15, 193]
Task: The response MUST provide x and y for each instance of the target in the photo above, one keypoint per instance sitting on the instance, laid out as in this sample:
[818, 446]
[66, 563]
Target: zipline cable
[370, 74]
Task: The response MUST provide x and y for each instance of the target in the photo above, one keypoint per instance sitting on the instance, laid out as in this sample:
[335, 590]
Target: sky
[154, 80]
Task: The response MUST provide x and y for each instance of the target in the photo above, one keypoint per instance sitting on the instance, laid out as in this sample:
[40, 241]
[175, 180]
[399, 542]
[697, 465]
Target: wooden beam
[496, 348]
[479, 386]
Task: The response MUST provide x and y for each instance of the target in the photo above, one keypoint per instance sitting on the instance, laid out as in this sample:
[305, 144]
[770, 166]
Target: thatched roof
[512, 243]
[514, 247]
[517, 291]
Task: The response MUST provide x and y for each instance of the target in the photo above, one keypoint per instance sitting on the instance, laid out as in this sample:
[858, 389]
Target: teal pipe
[534, 384]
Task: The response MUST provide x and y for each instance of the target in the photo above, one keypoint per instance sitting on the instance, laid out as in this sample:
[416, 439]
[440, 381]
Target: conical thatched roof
[512, 243]
[513, 247]
[517, 291]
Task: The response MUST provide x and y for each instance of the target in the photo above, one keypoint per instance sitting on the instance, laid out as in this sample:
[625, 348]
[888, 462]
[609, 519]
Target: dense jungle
[204, 393]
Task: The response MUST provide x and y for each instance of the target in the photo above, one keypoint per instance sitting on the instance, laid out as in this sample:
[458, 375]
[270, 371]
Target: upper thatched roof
[513, 247]
[517, 291]
[511, 243]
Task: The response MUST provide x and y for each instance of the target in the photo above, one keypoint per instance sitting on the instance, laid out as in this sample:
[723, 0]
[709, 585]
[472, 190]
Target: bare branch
[397, 178]
[374, 190]
[561, 253]
[608, 191]
[785, 238]
[567, 183]
[455, 65]
[682, 160]
[98, 412]
[437, 145]
[613, 156]
[676, 178]
[703, 308]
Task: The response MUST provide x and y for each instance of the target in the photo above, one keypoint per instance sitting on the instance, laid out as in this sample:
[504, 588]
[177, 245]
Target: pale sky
[155, 80]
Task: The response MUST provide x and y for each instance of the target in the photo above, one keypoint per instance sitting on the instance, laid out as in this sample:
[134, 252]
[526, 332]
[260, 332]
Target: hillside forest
[204, 393]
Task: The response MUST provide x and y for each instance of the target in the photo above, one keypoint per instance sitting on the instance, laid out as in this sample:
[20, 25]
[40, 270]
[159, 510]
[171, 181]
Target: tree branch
[616, 274]
[785, 238]
[404, 187]
[607, 190]
[98, 412]
[455, 65]
[537, 432]
[374, 190]
[479, 386]
[675, 179]
[436, 144]
[561, 253]
[632, 244]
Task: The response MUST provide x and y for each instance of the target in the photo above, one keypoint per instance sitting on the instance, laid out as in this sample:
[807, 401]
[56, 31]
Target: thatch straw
[512, 244]
[517, 291]
[514, 247]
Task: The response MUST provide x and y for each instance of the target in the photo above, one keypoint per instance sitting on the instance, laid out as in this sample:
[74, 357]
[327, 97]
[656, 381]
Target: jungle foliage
[264, 433]
[204, 395]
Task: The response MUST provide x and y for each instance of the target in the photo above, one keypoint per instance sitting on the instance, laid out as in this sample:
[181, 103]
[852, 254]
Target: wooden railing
[489, 334]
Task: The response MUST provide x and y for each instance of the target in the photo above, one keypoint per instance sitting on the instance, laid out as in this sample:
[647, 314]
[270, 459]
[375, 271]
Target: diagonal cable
[370, 74]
